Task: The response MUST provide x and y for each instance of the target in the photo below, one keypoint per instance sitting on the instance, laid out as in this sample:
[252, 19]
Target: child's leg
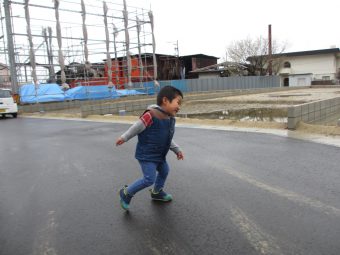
[163, 170]
[149, 177]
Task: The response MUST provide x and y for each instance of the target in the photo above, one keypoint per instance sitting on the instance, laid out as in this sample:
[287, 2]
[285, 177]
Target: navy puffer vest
[154, 142]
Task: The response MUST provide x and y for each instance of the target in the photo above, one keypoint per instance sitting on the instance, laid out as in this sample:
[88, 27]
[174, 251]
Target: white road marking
[297, 198]
[45, 239]
[260, 240]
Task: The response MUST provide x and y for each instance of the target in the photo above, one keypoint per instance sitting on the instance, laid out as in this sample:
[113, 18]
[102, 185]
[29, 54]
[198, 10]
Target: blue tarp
[129, 92]
[53, 93]
[91, 92]
[45, 93]
[150, 89]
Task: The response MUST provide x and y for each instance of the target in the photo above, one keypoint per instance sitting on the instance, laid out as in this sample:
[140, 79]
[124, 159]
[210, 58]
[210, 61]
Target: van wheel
[14, 115]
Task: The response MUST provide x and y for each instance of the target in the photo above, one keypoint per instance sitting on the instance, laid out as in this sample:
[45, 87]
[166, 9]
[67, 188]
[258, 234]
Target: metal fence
[226, 83]
[214, 84]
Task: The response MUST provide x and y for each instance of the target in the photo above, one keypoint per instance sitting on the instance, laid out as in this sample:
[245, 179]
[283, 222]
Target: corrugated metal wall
[225, 83]
[213, 84]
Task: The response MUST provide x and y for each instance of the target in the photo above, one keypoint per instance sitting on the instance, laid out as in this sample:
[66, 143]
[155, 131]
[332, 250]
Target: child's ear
[165, 100]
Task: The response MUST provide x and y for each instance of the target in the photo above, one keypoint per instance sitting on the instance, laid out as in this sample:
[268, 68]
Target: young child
[155, 130]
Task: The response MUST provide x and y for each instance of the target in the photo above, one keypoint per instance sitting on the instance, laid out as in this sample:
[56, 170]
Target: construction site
[75, 43]
[261, 109]
[85, 58]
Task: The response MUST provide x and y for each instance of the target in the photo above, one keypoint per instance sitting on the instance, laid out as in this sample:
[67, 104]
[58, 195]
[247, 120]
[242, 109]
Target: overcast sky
[209, 26]
[206, 27]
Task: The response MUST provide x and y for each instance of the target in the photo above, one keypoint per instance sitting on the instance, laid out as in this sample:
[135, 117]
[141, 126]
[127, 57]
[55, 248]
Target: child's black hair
[169, 92]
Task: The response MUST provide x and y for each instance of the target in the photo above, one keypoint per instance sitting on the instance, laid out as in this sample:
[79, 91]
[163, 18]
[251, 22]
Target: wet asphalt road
[235, 193]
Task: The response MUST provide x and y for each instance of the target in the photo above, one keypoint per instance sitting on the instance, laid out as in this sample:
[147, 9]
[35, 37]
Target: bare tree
[253, 53]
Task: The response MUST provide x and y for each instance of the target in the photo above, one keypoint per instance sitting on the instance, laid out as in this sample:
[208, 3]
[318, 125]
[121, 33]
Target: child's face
[172, 107]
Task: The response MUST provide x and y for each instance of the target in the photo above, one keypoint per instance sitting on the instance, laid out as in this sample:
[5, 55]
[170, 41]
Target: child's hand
[180, 155]
[120, 141]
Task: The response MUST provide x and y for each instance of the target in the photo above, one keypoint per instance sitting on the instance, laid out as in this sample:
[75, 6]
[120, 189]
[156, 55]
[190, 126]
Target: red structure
[139, 73]
[168, 68]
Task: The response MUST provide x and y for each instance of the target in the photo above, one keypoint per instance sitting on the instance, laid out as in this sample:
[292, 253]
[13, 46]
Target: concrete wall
[312, 112]
[49, 106]
[53, 106]
[115, 107]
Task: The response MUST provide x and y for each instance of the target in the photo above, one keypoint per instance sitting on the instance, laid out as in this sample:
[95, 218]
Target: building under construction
[67, 40]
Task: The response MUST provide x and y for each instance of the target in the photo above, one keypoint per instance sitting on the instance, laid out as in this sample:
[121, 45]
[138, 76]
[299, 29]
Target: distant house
[5, 81]
[224, 69]
[191, 63]
[304, 68]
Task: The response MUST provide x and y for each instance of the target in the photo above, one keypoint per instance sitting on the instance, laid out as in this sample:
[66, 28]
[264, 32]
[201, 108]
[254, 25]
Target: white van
[7, 104]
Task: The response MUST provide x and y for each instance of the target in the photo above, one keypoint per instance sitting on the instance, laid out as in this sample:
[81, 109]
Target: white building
[306, 67]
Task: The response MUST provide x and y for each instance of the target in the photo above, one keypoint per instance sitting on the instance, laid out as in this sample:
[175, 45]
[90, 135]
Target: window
[286, 65]
[4, 93]
[326, 78]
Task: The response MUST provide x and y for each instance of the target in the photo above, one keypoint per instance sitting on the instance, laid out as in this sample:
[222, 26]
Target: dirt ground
[281, 99]
[203, 112]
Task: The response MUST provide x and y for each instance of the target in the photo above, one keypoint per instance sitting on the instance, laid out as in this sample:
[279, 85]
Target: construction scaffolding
[77, 42]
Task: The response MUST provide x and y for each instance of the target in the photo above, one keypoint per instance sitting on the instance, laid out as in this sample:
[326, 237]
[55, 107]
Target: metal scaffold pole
[10, 45]
[68, 61]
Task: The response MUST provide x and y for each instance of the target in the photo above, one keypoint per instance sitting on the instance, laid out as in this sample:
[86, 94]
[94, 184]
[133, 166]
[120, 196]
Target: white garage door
[300, 80]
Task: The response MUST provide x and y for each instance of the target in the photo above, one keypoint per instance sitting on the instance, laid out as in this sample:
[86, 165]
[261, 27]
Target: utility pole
[177, 49]
[270, 62]
[11, 55]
